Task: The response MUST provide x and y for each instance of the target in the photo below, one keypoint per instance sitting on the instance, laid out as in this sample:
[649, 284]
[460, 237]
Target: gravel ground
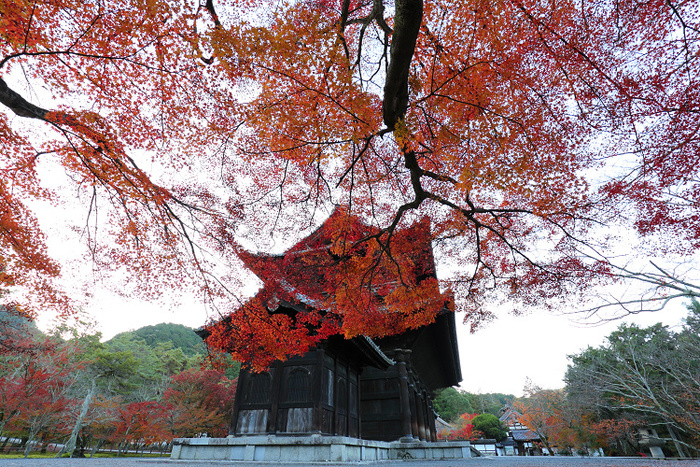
[476, 462]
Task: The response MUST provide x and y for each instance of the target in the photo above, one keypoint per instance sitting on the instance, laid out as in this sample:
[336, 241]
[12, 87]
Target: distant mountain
[180, 336]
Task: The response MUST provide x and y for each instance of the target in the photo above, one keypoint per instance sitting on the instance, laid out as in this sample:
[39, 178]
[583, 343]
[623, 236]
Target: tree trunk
[19, 105]
[4, 443]
[69, 447]
[30, 439]
[407, 21]
[97, 447]
[546, 445]
[682, 452]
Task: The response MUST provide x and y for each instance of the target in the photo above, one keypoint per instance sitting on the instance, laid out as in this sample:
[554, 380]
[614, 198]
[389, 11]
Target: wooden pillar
[336, 388]
[427, 415]
[401, 357]
[275, 388]
[431, 417]
[243, 379]
[424, 431]
[420, 419]
[357, 411]
[316, 392]
[414, 412]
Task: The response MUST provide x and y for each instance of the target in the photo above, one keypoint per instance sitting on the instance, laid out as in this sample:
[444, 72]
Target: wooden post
[420, 414]
[401, 356]
[317, 393]
[431, 416]
[243, 378]
[275, 388]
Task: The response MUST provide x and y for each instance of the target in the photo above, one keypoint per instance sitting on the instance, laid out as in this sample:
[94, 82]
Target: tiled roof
[509, 414]
[524, 435]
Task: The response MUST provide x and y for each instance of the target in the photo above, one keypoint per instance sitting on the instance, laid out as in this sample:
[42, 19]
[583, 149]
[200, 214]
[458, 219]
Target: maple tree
[200, 401]
[79, 393]
[16, 331]
[562, 424]
[464, 429]
[616, 435]
[471, 426]
[488, 118]
[541, 411]
[140, 422]
[35, 392]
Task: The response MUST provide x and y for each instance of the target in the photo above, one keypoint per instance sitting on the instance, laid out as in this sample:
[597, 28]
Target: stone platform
[313, 448]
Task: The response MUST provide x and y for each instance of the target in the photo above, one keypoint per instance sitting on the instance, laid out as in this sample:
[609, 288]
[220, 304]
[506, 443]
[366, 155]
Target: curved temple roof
[307, 275]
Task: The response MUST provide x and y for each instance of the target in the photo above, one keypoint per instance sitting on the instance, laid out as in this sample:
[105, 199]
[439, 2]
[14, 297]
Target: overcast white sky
[500, 357]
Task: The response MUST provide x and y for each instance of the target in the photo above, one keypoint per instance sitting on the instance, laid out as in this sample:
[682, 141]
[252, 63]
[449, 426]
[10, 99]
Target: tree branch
[407, 21]
[18, 104]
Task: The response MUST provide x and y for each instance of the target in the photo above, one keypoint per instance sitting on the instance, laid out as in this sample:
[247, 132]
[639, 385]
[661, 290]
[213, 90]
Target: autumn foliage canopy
[464, 430]
[191, 132]
[338, 280]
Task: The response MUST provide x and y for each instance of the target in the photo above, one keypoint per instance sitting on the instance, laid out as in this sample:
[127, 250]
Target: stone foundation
[314, 448]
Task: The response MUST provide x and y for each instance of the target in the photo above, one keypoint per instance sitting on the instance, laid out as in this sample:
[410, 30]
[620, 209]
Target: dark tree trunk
[407, 21]
[18, 104]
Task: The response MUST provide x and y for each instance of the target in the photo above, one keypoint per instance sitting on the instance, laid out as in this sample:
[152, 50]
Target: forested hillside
[181, 337]
[451, 403]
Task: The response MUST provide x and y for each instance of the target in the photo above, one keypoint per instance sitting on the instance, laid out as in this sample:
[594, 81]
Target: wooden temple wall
[395, 404]
[314, 393]
[321, 393]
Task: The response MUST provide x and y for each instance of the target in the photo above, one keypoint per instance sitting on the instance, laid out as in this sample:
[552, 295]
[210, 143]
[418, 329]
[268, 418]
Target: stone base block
[313, 448]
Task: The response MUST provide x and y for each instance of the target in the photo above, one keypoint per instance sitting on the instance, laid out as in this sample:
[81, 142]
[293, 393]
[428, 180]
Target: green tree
[95, 389]
[179, 336]
[645, 374]
[451, 403]
[490, 426]
[123, 371]
[491, 402]
[152, 366]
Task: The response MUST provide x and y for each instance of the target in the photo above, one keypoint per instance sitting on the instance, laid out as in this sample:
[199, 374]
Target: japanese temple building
[367, 392]
[372, 390]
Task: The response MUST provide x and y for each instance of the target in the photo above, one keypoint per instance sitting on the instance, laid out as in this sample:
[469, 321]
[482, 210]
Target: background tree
[125, 371]
[178, 336]
[490, 426]
[464, 429]
[617, 435]
[76, 391]
[16, 330]
[200, 401]
[489, 118]
[18, 333]
[450, 403]
[36, 393]
[491, 403]
[151, 369]
[648, 375]
[541, 411]
[140, 423]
